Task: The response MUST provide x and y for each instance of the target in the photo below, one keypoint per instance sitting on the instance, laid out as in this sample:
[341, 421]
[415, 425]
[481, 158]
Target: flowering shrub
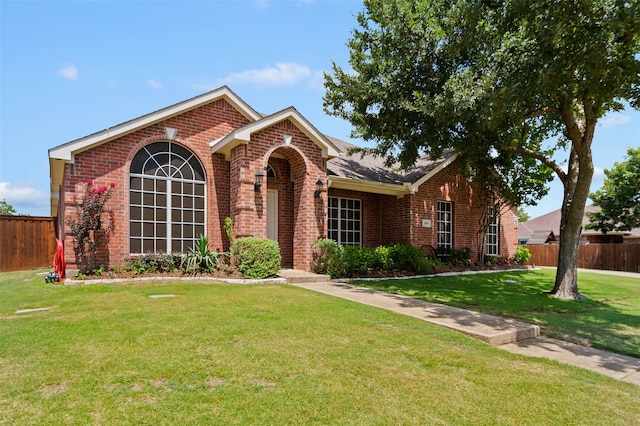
[91, 225]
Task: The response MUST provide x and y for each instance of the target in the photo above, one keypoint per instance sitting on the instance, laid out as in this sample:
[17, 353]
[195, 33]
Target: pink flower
[90, 182]
[112, 185]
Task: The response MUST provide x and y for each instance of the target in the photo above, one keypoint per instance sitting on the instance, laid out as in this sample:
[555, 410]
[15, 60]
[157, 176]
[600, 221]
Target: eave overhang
[369, 186]
[243, 134]
[65, 153]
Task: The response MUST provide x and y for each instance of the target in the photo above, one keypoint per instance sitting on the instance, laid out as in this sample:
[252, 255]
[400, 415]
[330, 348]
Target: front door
[272, 214]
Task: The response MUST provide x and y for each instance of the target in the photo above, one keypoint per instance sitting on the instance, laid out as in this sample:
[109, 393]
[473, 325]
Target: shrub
[151, 262]
[405, 257]
[257, 258]
[522, 256]
[327, 258]
[382, 257]
[200, 258]
[91, 225]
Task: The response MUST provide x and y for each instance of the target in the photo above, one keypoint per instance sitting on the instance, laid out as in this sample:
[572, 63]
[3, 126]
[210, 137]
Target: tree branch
[544, 160]
[542, 111]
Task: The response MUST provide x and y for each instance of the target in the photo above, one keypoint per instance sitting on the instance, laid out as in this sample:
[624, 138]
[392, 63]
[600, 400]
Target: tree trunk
[576, 192]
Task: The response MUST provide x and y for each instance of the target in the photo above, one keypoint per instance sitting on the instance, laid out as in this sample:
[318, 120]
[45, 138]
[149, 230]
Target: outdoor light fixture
[318, 190]
[258, 184]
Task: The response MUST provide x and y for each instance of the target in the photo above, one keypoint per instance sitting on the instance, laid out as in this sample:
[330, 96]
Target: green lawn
[609, 320]
[267, 354]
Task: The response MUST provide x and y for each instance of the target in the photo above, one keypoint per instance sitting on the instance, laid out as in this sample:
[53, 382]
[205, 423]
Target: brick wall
[110, 162]
[388, 219]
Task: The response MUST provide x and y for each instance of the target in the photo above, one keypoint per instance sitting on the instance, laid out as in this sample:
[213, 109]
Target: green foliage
[98, 270]
[91, 225]
[522, 215]
[509, 86]
[341, 261]
[6, 208]
[151, 262]
[454, 256]
[522, 255]
[229, 229]
[327, 258]
[200, 258]
[257, 258]
[619, 197]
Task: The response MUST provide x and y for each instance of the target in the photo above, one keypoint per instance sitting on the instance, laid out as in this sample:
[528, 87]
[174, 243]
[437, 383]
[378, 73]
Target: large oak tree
[509, 83]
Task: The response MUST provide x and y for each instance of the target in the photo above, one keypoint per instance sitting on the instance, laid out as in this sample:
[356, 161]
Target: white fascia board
[243, 134]
[69, 149]
[369, 186]
[416, 185]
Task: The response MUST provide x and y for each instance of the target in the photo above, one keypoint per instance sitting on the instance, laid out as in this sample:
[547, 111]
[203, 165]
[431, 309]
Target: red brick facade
[297, 158]
[388, 219]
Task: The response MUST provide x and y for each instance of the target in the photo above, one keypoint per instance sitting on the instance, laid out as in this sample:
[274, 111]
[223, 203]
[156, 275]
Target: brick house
[182, 170]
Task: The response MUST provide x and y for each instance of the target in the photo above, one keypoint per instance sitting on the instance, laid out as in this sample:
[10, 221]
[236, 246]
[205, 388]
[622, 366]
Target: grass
[609, 320]
[267, 354]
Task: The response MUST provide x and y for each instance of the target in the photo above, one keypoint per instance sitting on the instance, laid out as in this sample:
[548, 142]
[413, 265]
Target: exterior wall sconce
[318, 191]
[258, 184]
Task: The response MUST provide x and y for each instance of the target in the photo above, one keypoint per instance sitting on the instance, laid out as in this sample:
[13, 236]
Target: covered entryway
[275, 165]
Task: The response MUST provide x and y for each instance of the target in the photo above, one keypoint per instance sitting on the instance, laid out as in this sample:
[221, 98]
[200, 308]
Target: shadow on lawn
[521, 295]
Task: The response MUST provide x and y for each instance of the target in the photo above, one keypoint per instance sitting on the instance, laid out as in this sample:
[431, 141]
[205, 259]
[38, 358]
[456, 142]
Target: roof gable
[67, 151]
[242, 135]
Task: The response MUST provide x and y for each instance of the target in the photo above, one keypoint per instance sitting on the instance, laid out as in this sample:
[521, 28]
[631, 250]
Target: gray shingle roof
[367, 167]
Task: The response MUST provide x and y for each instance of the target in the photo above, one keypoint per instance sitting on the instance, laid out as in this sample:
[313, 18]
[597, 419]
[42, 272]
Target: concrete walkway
[507, 334]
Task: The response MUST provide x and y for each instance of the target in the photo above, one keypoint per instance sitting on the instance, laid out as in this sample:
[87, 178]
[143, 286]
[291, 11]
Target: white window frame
[167, 208]
[346, 215]
[493, 233]
[444, 223]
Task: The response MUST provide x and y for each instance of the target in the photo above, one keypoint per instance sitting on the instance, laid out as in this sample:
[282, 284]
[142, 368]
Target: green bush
[382, 256]
[152, 262]
[405, 257]
[256, 258]
[522, 256]
[327, 258]
[339, 261]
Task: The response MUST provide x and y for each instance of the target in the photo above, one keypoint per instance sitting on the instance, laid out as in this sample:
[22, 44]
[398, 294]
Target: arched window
[167, 199]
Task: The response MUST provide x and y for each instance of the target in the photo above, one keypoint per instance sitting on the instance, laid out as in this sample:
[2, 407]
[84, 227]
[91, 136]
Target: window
[445, 224]
[345, 221]
[166, 199]
[492, 233]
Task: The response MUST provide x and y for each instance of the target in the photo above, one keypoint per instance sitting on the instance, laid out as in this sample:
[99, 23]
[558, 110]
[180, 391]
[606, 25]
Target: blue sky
[72, 68]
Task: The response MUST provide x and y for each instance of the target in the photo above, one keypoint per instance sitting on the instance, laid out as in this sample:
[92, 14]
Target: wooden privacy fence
[26, 242]
[608, 257]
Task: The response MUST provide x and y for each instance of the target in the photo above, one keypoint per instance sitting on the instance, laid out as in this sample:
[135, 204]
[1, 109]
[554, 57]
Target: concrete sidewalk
[507, 334]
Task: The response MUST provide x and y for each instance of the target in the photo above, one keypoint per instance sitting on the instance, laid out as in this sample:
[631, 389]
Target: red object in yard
[59, 264]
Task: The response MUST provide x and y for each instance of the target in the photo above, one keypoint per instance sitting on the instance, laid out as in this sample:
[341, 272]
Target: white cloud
[69, 71]
[25, 198]
[282, 74]
[614, 119]
[598, 173]
[262, 4]
[317, 81]
[154, 84]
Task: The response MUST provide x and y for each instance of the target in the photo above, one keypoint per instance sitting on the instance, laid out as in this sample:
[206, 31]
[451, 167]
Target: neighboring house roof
[550, 222]
[541, 237]
[366, 172]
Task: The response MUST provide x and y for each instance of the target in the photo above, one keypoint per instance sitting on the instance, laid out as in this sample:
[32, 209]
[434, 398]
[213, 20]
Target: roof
[550, 222]
[242, 135]
[361, 172]
[369, 173]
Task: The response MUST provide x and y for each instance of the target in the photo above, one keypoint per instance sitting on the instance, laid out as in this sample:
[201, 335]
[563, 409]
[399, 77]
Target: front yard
[267, 354]
[610, 320]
